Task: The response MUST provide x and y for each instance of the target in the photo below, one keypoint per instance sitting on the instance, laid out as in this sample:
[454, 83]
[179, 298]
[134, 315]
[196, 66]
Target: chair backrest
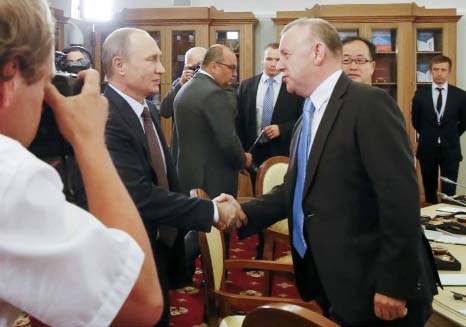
[271, 173]
[212, 251]
[245, 184]
[285, 315]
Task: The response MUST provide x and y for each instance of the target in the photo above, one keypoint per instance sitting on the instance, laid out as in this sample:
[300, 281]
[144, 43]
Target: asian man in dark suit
[264, 104]
[439, 117]
[131, 62]
[350, 193]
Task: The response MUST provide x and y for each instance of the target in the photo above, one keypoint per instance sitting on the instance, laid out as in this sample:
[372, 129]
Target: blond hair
[26, 35]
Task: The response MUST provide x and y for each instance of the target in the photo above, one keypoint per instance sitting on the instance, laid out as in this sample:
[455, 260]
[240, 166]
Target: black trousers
[429, 170]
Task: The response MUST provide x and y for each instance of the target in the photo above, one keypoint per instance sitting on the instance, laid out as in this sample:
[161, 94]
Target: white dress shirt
[261, 90]
[320, 98]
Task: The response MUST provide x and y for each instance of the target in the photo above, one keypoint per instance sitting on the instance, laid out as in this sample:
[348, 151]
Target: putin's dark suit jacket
[210, 154]
[452, 124]
[361, 207]
[128, 147]
[286, 112]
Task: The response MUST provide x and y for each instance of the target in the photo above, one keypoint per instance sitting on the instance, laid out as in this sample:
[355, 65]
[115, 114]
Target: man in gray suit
[192, 61]
[210, 153]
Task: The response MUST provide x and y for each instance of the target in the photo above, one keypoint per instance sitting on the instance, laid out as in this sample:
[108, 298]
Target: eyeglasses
[357, 61]
[232, 67]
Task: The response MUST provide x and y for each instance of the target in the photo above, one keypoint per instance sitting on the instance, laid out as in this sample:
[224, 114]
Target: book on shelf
[423, 74]
[347, 33]
[425, 41]
[382, 40]
[383, 71]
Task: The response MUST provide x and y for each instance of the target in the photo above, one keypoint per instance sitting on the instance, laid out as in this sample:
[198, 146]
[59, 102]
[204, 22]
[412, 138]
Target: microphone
[449, 181]
[449, 198]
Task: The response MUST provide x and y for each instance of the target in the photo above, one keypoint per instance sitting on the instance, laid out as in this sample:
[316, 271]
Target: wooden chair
[245, 185]
[220, 302]
[285, 315]
[278, 314]
[271, 173]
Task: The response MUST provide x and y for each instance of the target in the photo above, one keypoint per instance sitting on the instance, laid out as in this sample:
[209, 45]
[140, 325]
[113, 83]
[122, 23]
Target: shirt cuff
[216, 218]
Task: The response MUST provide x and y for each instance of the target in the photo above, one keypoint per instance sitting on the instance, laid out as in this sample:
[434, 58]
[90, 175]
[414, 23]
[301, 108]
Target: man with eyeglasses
[358, 61]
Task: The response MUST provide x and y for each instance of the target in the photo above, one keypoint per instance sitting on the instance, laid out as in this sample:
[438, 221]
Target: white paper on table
[451, 209]
[437, 236]
[453, 279]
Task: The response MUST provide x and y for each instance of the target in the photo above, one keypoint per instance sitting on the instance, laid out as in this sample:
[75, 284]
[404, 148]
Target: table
[445, 306]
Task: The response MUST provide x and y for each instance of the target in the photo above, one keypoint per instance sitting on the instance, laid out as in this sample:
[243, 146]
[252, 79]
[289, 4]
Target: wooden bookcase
[399, 62]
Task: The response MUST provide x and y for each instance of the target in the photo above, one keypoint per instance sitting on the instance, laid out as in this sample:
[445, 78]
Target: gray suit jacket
[210, 154]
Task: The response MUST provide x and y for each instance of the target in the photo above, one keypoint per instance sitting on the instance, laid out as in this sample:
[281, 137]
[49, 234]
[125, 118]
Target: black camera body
[49, 143]
[196, 67]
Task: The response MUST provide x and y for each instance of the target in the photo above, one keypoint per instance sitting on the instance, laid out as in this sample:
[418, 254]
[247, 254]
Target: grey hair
[322, 30]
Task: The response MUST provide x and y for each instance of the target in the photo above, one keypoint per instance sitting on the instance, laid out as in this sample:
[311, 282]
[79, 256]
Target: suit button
[310, 215]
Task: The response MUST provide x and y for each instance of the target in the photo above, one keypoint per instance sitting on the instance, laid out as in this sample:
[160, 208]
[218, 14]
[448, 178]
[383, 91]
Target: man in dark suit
[131, 61]
[275, 111]
[210, 153]
[350, 193]
[192, 61]
[439, 117]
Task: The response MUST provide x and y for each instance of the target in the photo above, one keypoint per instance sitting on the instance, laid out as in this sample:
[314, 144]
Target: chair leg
[268, 248]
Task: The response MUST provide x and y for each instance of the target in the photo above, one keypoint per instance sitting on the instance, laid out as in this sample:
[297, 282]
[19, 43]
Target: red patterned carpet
[187, 303]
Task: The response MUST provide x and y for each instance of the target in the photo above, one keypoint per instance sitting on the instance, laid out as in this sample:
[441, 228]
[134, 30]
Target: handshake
[231, 216]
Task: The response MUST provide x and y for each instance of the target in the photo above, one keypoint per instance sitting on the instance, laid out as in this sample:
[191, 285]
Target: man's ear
[8, 83]
[118, 65]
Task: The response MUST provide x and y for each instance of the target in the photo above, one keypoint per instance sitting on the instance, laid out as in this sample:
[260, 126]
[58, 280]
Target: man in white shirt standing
[59, 263]
[439, 117]
[264, 104]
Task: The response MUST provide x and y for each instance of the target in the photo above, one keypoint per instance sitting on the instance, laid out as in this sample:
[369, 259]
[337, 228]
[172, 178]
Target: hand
[187, 74]
[80, 118]
[248, 160]
[389, 308]
[272, 131]
[231, 216]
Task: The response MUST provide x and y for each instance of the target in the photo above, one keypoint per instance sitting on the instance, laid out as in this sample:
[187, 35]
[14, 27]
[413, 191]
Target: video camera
[49, 143]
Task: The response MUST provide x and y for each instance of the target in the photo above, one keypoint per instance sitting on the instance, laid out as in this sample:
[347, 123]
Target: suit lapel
[331, 112]
[253, 101]
[128, 115]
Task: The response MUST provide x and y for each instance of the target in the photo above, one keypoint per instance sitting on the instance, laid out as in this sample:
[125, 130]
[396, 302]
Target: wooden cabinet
[398, 29]
[178, 29]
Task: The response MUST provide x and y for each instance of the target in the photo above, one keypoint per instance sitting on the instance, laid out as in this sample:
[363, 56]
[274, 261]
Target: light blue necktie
[267, 107]
[303, 151]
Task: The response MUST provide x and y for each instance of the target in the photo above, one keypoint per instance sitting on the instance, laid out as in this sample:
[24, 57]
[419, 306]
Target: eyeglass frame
[232, 67]
[355, 60]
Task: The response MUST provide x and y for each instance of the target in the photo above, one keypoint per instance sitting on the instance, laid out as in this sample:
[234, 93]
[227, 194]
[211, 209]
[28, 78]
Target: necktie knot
[309, 106]
[146, 114]
[439, 89]
[271, 81]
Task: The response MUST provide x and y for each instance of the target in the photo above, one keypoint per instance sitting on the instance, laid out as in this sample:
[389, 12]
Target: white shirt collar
[444, 86]
[278, 78]
[205, 73]
[133, 103]
[323, 92]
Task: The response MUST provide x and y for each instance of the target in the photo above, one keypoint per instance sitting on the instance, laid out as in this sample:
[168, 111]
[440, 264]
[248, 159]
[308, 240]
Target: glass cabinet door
[231, 39]
[181, 42]
[428, 45]
[385, 74]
